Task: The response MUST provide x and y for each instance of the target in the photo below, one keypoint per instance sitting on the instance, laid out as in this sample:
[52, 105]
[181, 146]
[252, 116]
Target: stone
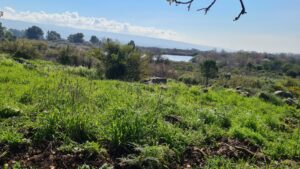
[283, 94]
[239, 88]
[290, 101]
[156, 80]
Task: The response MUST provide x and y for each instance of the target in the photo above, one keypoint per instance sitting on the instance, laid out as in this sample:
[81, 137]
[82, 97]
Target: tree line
[36, 33]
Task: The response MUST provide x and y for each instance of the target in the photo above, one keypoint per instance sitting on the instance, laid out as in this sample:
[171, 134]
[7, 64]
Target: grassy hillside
[51, 115]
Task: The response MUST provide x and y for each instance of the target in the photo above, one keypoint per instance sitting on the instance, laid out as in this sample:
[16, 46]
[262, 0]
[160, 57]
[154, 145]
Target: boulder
[290, 101]
[227, 76]
[245, 94]
[239, 88]
[283, 94]
[156, 80]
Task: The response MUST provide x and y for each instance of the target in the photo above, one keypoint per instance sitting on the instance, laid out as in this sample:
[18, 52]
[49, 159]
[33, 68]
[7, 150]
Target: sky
[269, 26]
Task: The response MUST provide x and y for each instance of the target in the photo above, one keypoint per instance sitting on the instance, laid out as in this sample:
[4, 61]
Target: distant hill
[139, 40]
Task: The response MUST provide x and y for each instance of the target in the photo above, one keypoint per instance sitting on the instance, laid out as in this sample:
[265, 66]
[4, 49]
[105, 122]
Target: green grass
[67, 107]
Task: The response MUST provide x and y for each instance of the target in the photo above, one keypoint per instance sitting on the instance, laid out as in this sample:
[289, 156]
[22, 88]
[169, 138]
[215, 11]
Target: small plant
[76, 127]
[219, 162]
[9, 112]
[11, 137]
[26, 98]
[150, 157]
[247, 134]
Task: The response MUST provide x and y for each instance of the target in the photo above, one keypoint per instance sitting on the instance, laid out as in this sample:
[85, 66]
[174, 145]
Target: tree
[121, 62]
[34, 32]
[132, 43]
[53, 36]
[5, 34]
[17, 33]
[209, 70]
[206, 9]
[76, 38]
[94, 40]
[2, 31]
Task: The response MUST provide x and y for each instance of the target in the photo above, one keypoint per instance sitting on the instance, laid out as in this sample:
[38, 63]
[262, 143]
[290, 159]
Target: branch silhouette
[206, 9]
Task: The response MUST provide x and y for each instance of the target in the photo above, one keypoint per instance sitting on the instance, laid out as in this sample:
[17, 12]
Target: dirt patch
[47, 156]
[229, 148]
[173, 119]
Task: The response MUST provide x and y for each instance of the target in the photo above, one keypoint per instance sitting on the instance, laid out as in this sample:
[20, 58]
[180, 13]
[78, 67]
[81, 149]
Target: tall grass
[63, 107]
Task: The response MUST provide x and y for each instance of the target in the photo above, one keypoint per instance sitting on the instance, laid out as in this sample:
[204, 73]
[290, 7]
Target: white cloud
[74, 20]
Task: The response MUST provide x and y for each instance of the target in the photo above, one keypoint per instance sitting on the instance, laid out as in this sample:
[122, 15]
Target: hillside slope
[51, 115]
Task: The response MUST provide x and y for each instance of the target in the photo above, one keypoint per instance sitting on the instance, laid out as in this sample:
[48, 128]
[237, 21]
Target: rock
[156, 80]
[245, 94]
[283, 94]
[239, 88]
[227, 76]
[290, 101]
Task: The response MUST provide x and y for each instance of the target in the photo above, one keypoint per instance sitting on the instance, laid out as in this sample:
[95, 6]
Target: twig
[206, 10]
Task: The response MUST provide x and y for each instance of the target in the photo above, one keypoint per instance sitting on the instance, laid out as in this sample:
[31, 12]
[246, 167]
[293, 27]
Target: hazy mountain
[139, 40]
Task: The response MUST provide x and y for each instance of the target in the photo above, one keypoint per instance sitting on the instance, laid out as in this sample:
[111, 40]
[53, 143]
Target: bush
[83, 71]
[9, 112]
[270, 98]
[76, 127]
[150, 157]
[11, 138]
[26, 98]
[129, 126]
[188, 79]
[7, 62]
[26, 49]
[247, 134]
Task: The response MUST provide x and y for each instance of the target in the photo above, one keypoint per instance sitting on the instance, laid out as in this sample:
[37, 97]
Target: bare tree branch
[206, 10]
[243, 11]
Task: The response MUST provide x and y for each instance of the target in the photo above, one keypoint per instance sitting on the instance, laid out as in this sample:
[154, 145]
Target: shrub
[188, 79]
[219, 162]
[270, 98]
[83, 71]
[129, 126]
[9, 112]
[27, 49]
[150, 157]
[89, 148]
[7, 62]
[75, 127]
[10, 137]
[247, 134]
[26, 98]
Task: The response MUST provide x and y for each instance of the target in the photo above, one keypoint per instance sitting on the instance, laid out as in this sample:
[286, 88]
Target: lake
[177, 58]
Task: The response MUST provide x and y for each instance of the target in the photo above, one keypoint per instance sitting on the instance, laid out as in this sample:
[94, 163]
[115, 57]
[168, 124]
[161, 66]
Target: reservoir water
[178, 58]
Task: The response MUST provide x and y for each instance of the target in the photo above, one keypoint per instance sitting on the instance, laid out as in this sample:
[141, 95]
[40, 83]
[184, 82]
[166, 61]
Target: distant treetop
[34, 32]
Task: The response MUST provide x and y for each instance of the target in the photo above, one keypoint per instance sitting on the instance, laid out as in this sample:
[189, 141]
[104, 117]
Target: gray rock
[227, 76]
[156, 80]
[283, 94]
[290, 101]
[239, 88]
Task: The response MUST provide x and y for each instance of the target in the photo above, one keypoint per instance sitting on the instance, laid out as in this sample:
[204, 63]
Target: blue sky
[270, 25]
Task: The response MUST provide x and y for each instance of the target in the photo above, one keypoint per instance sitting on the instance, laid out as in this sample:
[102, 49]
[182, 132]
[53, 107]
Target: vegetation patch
[9, 112]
